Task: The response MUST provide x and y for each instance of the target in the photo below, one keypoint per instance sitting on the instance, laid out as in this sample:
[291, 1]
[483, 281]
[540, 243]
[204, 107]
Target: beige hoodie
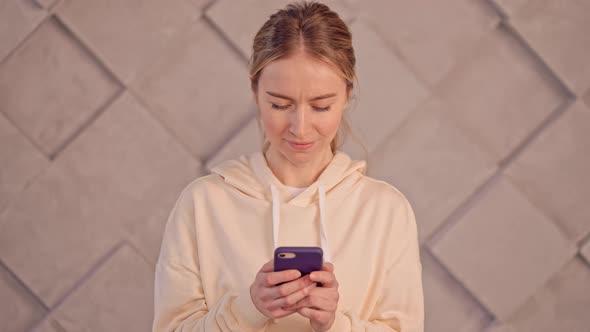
[225, 226]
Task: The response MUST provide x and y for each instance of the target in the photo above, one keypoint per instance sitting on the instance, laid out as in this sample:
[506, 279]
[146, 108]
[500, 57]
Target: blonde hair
[320, 32]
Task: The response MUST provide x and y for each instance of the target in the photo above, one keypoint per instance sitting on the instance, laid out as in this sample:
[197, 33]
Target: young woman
[215, 269]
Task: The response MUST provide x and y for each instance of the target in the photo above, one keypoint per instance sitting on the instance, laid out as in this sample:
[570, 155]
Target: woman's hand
[321, 303]
[271, 299]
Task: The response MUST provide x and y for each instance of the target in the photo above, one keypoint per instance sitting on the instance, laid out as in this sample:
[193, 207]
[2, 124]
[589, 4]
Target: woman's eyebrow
[274, 94]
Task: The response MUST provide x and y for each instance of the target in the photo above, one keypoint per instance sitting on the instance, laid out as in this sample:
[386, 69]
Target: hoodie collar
[339, 168]
[252, 175]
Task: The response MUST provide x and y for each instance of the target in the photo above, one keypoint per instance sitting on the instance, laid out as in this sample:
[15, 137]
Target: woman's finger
[281, 312]
[318, 303]
[320, 298]
[327, 294]
[268, 266]
[319, 316]
[291, 287]
[288, 302]
[326, 278]
[271, 279]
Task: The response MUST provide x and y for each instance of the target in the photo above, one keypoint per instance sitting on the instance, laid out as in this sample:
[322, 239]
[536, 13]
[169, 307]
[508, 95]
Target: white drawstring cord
[276, 214]
[276, 218]
[324, 238]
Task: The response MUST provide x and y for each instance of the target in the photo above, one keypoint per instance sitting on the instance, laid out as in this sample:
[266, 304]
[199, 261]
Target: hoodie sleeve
[401, 305]
[179, 300]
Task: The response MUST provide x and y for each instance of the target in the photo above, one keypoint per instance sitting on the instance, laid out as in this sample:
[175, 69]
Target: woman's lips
[300, 147]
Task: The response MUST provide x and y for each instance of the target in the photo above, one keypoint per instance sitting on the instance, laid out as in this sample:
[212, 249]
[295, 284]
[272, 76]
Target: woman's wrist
[247, 312]
[341, 322]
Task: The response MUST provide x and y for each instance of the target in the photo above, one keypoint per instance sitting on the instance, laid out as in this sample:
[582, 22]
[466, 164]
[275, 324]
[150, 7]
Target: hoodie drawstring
[276, 218]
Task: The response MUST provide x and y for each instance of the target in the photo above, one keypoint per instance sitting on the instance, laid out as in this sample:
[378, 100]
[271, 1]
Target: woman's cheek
[331, 125]
[273, 125]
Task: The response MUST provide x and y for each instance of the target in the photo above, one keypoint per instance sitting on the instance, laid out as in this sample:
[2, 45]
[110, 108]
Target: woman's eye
[279, 107]
[284, 107]
[322, 109]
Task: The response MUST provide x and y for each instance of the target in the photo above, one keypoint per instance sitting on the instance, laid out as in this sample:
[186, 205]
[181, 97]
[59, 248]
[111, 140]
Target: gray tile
[146, 235]
[51, 113]
[18, 19]
[553, 171]
[118, 297]
[120, 171]
[52, 6]
[46, 4]
[510, 7]
[19, 310]
[200, 4]
[585, 251]
[558, 32]
[433, 163]
[503, 249]
[500, 327]
[501, 93]
[203, 104]
[561, 305]
[388, 91]
[433, 36]
[125, 35]
[248, 139]
[240, 20]
[447, 306]
[21, 162]
[48, 324]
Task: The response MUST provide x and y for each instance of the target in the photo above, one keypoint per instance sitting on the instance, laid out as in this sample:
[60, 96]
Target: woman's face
[301, 100]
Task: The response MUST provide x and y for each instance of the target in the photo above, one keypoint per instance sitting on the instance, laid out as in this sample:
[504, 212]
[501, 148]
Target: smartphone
[304, 259]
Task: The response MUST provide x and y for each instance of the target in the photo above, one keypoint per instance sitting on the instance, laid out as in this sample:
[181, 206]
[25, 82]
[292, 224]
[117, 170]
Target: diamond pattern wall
[51, 86]
[478, 110]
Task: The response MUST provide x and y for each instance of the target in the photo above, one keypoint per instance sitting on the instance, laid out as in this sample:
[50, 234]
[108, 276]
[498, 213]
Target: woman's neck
[294, 174]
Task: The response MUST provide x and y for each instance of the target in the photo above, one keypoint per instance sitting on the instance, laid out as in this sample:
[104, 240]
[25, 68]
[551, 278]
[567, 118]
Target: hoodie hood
[251, 175]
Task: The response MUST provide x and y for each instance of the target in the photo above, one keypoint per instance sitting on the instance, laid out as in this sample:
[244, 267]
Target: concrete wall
[478, 110]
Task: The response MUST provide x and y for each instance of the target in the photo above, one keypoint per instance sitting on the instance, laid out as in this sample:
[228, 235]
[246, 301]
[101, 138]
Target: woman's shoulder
[202, 184]
[383, 190]
[392, 200]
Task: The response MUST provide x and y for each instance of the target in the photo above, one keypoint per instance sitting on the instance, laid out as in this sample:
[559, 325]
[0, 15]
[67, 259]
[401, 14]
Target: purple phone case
[306, 260]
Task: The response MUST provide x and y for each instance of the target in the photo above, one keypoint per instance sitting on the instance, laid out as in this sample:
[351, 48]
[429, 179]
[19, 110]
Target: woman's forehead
[301, 73]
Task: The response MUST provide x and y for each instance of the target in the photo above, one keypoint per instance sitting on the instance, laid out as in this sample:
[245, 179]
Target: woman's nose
[300, 122]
